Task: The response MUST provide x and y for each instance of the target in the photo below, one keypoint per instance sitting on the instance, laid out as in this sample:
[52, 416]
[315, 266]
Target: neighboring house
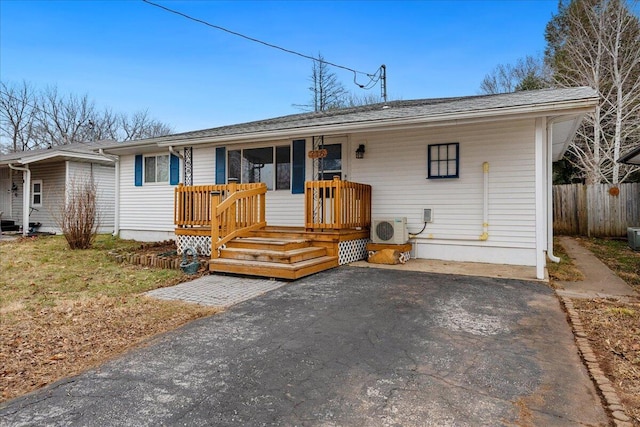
[632, 157]
[34, 184]
[481, 164]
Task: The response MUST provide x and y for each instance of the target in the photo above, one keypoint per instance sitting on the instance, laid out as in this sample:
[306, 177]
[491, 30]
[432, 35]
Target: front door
[5, 193]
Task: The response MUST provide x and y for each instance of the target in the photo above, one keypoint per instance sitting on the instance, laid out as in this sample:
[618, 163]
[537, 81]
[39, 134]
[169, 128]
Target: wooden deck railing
[337, 205]
[240, 212]
[192, 203]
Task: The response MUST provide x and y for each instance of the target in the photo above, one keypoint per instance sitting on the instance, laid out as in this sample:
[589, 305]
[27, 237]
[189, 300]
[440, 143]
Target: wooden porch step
[273, 269]
[268, 243]
[285, 257]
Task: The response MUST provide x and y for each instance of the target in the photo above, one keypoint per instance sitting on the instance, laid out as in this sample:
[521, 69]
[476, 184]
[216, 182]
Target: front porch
[228, 223]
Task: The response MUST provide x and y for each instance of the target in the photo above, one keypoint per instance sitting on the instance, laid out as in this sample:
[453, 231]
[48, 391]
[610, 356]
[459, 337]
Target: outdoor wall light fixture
[360, 152]
[14, 189]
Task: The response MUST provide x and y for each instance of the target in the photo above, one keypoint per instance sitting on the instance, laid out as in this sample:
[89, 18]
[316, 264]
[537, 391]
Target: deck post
[215, 226]
[337, 203]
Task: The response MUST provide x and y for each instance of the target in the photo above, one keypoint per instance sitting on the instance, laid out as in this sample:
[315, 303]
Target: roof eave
[579, 107]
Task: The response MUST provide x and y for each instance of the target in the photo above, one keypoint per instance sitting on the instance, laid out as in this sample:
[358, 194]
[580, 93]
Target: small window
[332, 164]
[156, 169]
[283, 167]
[443, 160]
[257, 166]
[36, 192]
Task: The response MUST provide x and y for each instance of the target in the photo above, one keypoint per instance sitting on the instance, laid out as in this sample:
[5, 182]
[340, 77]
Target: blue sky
[131, 56]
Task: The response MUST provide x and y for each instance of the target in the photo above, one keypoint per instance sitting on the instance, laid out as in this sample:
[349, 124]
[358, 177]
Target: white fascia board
[65, 155]
[444, 119]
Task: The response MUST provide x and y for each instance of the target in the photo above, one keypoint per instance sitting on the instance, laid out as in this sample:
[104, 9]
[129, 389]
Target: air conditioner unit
[633, 236]
[391, 230]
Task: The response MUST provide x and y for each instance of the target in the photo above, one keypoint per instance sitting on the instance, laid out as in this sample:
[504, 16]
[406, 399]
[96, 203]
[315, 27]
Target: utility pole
[383, 82]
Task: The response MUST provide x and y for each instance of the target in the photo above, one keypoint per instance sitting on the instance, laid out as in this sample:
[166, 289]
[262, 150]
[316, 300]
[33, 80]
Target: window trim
[34, 192]
[439, 161]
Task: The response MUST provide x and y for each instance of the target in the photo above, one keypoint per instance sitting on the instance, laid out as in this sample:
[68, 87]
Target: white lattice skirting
[202, 244]
[352, 250]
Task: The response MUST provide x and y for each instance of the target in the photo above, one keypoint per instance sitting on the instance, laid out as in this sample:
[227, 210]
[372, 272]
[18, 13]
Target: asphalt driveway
[349, 346]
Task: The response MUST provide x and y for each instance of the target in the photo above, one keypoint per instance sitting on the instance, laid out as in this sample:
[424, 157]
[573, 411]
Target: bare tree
[527, 74]
[17, 115]
[39, 119]
[139, 125]
[596, 43]
[326, 90]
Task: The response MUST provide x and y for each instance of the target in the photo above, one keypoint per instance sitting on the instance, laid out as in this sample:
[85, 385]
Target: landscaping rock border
[171, 262]
[602, 383]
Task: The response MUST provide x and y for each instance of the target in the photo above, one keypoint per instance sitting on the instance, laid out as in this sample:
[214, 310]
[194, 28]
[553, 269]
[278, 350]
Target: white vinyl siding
[52, 176]
[396, 166]
[104, 179]
[145, 208]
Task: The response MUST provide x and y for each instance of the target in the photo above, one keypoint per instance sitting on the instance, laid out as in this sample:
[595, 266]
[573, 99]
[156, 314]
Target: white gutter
[116, 207]
[26, 196]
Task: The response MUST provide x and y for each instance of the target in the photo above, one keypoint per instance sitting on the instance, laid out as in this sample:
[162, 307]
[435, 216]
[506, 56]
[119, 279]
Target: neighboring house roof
[632, 157]
[569, 102]
[77, 151]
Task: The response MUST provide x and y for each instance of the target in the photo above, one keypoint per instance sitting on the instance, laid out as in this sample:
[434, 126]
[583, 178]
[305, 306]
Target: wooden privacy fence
[337, 205]
[600, 210]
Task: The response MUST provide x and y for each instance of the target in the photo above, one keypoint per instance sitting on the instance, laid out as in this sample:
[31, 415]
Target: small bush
[79, 217]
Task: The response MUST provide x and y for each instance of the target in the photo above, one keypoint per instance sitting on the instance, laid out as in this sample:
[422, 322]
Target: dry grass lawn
[63, 311]
[612, 326]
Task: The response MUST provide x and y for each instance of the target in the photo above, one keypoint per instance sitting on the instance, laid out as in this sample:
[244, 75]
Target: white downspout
[540, 200]
[116, 213]
[550, 253]
[177, 153]
[26, 196]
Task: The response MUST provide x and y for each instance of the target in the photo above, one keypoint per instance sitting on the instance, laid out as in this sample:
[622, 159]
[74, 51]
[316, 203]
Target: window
[36, 192]
[443, 160]
[271, 165]
[156, 168]
[283, 167]
[332, 164]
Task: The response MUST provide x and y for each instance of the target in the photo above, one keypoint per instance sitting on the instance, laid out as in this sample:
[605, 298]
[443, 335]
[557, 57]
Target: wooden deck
[233, 217]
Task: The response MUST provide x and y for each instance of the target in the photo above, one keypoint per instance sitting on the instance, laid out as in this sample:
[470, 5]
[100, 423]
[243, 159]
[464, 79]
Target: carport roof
[571, 103]
[79, 151]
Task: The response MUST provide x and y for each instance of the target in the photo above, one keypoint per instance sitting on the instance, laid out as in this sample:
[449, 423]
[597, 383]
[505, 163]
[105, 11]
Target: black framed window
[443, 160]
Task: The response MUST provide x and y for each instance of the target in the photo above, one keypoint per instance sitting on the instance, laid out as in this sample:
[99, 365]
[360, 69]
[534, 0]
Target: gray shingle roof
[393, 110]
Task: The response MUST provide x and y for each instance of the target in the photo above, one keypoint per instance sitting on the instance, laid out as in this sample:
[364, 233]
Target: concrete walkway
[217, 290]
[599, 282]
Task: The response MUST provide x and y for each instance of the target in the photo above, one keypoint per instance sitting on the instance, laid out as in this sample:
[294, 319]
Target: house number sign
[318, 154]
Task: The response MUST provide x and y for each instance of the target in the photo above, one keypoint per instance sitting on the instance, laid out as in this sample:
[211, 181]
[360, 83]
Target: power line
[373, 78]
